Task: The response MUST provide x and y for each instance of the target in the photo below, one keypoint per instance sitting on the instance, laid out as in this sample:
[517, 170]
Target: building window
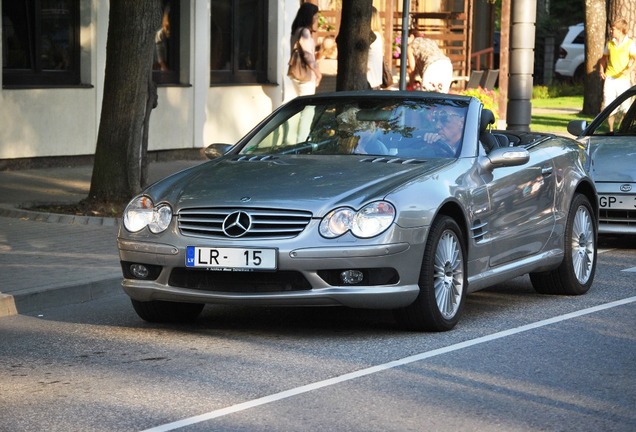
[238, 41]
[40, 43]
[166, 60]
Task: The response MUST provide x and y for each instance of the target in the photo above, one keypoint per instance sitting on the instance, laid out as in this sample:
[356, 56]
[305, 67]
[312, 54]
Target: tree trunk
[353, 42]
[129, 55]
[595, 25]
[151, 103]
[623, 9]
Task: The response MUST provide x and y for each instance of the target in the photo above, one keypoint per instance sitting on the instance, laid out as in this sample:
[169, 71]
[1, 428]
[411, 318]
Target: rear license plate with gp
[617, 202]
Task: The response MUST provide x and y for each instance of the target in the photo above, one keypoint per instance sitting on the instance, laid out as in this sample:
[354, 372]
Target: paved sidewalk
[48, 260]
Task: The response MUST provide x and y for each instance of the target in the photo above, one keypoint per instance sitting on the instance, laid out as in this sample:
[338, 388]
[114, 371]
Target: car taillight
[562, 53]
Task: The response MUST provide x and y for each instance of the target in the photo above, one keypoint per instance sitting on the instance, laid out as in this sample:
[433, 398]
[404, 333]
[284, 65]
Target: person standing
[617, 63]
[376, 52]
[430, 66]
[305, 23]
[413, 83]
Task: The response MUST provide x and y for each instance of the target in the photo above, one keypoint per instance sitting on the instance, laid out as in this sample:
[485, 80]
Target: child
[619, 59]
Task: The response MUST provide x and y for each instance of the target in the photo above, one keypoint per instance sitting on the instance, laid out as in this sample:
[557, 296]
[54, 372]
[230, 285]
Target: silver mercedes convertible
[385, 200]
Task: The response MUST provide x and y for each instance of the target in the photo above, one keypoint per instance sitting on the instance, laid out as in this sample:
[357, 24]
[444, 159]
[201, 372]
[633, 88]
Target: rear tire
[579, 75]
[167, 312]
[442, 281]
[576, 273]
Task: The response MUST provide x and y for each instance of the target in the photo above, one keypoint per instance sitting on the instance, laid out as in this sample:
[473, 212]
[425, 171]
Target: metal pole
[406, 6]
[523, 18]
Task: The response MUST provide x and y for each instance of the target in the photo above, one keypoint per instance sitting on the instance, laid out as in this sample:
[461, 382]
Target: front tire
[442, 281]
[167, 312]
[576, 273]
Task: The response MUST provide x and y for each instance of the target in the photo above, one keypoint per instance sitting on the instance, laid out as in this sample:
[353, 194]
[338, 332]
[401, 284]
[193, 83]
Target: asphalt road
[518, 361]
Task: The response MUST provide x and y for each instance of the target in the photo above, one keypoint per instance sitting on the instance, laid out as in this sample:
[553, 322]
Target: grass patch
[554, 122]
[555, 106]
[564, 102]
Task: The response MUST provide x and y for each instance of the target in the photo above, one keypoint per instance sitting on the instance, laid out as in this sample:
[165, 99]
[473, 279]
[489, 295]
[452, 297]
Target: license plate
[617, 202]
[231, 258]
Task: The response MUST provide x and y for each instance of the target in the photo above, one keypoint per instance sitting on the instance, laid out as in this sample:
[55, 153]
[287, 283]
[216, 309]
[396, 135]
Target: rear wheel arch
[575, 274]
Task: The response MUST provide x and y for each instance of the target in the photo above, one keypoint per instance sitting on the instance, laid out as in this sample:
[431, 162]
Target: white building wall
[65, 121]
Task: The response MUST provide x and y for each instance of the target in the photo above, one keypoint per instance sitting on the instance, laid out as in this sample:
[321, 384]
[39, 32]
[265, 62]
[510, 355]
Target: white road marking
[633, 270]
[379, 368]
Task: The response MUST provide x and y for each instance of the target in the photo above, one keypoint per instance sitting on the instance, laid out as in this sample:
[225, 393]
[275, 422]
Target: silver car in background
[613, 164]
[354, 199]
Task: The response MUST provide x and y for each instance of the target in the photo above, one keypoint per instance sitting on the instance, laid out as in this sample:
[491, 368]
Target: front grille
[620, 217]
[239, 282]
[265, 223]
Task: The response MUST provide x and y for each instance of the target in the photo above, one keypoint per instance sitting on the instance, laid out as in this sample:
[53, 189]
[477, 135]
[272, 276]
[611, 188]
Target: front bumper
[306, 276]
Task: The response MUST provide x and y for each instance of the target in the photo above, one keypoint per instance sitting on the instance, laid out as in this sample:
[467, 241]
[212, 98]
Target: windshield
[421, 128]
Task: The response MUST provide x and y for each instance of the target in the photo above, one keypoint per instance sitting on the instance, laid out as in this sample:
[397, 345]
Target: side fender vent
[479, 230]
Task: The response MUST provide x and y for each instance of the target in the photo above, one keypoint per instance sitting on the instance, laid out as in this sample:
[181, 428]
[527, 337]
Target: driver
[449, 126]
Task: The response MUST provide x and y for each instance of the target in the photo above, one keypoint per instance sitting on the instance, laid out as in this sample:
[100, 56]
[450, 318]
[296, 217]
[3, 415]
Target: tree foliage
[117, 170]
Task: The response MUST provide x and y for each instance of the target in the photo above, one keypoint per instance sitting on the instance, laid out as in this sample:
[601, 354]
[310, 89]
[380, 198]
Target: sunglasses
[443, 117]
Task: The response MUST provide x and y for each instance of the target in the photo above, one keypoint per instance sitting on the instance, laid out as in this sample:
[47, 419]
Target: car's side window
[628, 123]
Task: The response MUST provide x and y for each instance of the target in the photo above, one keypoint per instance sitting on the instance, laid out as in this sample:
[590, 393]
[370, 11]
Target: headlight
[369, 221]
[337, 222]
[373, 219]
[141, 212]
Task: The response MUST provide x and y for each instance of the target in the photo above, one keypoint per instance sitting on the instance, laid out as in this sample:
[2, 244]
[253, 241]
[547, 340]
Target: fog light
[139, 271]
[351, 277]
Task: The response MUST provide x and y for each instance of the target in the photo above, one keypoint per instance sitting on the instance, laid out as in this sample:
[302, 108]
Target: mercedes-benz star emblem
[237, 224]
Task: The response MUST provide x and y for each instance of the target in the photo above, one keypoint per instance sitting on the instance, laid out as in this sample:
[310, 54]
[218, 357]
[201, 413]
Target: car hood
[311, 183]
[613, 159]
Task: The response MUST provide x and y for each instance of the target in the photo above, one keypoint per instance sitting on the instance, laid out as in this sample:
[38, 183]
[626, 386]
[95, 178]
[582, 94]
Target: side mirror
[576, 127]
[214, 151]
[504, 157]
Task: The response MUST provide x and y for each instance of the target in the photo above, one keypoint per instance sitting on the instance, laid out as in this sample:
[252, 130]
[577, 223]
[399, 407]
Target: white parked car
[571, 62]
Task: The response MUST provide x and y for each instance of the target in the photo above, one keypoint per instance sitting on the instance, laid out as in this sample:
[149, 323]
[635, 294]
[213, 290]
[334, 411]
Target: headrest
[487, 118]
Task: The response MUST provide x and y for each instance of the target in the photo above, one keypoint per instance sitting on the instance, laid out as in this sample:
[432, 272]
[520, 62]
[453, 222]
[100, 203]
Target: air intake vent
[254, 158]
[393, 160]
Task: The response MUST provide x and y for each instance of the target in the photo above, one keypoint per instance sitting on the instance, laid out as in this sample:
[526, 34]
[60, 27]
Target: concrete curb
[8, 210]
[31, 301]
[7, 305]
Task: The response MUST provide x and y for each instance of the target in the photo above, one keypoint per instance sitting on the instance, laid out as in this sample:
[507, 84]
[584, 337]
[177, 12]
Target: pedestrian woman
[376, 52]
[306, 23]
